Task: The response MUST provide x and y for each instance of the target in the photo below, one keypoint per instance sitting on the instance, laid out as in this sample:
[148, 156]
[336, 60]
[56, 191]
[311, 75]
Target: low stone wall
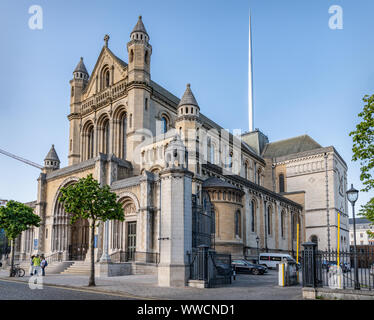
[112, 269]
[143, 268]
[337, 294]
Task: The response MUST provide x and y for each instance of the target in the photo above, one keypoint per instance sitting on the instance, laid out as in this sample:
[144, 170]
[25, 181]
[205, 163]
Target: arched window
[269, 220]
[146, 57]
[229, 159]
[106, 137]
[238, 224]
[90, 142]
[253, 213]
[131, 55]
[164, 124]
[294, 226]
[282, 223]
[314, 238]
[246, 170]
[123, 135]
[281, 182]
[107, 78]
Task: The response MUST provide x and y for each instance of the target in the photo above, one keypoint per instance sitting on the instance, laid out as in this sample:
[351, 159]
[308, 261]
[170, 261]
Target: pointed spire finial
[106, 39]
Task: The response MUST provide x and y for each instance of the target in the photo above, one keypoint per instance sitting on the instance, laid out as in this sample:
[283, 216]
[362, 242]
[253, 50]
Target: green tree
[15, 218]
[86, 199]
[363, 151]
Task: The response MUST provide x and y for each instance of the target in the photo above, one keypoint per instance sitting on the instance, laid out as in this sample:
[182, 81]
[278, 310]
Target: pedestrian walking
[36, 264]
[43, 264]
[31, 269]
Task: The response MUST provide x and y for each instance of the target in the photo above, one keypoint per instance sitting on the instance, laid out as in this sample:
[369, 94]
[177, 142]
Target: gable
[106, 58]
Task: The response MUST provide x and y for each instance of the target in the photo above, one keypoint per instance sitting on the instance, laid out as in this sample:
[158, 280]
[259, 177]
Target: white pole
[250, 78]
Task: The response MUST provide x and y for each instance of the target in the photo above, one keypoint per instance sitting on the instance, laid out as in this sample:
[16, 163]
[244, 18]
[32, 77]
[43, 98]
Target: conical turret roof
[52, 154]
[188, 98]
[139, 27]
[81, 67]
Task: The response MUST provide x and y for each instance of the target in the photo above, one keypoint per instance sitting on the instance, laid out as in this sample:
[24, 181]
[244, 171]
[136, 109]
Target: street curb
[90, 289]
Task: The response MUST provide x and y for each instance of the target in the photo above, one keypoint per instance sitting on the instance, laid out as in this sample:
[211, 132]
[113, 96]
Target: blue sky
[308, 79]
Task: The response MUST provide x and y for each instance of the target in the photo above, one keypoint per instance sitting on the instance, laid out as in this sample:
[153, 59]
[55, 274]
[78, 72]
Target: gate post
[310, 264]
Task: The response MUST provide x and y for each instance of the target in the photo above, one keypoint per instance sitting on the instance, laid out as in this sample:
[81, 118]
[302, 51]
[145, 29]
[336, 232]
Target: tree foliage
[363, 151]
[86, 199]
[16, 217]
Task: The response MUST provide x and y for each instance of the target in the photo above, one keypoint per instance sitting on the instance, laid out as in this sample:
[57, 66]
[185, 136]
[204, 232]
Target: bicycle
[17, 271]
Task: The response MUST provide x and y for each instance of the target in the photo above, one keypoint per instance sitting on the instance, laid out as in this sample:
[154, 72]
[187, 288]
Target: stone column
[40, 211]
[176, 227]
[145, 214]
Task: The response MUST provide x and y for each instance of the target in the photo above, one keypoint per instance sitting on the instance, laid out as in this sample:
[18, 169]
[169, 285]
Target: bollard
[282, 275]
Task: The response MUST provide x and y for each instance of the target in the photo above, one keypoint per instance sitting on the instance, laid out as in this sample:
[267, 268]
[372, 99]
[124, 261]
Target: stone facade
[157, 152]
[320, 174]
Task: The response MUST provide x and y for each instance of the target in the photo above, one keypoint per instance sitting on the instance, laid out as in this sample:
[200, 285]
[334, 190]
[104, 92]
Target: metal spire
[250, 79]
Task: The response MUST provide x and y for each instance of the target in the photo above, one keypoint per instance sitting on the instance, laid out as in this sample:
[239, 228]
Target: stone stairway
[78, 268]
[55, 267]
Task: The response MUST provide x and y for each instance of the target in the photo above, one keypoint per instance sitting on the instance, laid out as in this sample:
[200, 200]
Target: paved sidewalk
[245, 287]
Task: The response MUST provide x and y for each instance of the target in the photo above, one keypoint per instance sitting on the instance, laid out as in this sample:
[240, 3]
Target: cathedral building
[183, 180]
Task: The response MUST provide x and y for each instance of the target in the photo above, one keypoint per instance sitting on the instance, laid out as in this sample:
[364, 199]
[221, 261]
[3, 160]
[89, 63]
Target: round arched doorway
[79, 240]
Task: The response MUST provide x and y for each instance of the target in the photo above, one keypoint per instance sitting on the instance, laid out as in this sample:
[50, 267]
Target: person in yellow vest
[36, 264]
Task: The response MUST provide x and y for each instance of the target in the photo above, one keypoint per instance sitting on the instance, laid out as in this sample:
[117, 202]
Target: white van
[272, 259]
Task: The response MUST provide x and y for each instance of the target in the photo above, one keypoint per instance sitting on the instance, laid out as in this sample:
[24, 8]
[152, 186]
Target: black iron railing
[337, 269]
[208, 266]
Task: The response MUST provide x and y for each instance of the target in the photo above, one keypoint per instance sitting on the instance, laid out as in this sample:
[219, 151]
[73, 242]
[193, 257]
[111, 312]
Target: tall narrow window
[164, 125]
[293, 227]
[124, 136]
[282, 223]
[91, 143]
[281, 182]
[237, 224]
[269, 220]
[253, 216]
[107, 79]
[106, 137]
[146, 104]
[246, 170]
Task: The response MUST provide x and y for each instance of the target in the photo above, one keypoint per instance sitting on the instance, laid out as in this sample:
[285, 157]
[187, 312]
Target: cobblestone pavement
[245, 287]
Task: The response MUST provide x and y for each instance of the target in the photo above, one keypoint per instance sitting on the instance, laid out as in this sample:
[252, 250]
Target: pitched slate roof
[188, 98]
[80, 67]
[214, 182]
[52, 154]
[290, 146]
[360, 221]
[139, 27]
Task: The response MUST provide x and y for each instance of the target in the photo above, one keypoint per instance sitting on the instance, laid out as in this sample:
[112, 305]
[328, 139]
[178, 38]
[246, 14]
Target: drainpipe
[266, 235]
[327, 203]
[159, 223]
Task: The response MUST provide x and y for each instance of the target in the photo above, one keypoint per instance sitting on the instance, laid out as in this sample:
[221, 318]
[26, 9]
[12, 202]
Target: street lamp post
[258, 252]
[352, 195]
